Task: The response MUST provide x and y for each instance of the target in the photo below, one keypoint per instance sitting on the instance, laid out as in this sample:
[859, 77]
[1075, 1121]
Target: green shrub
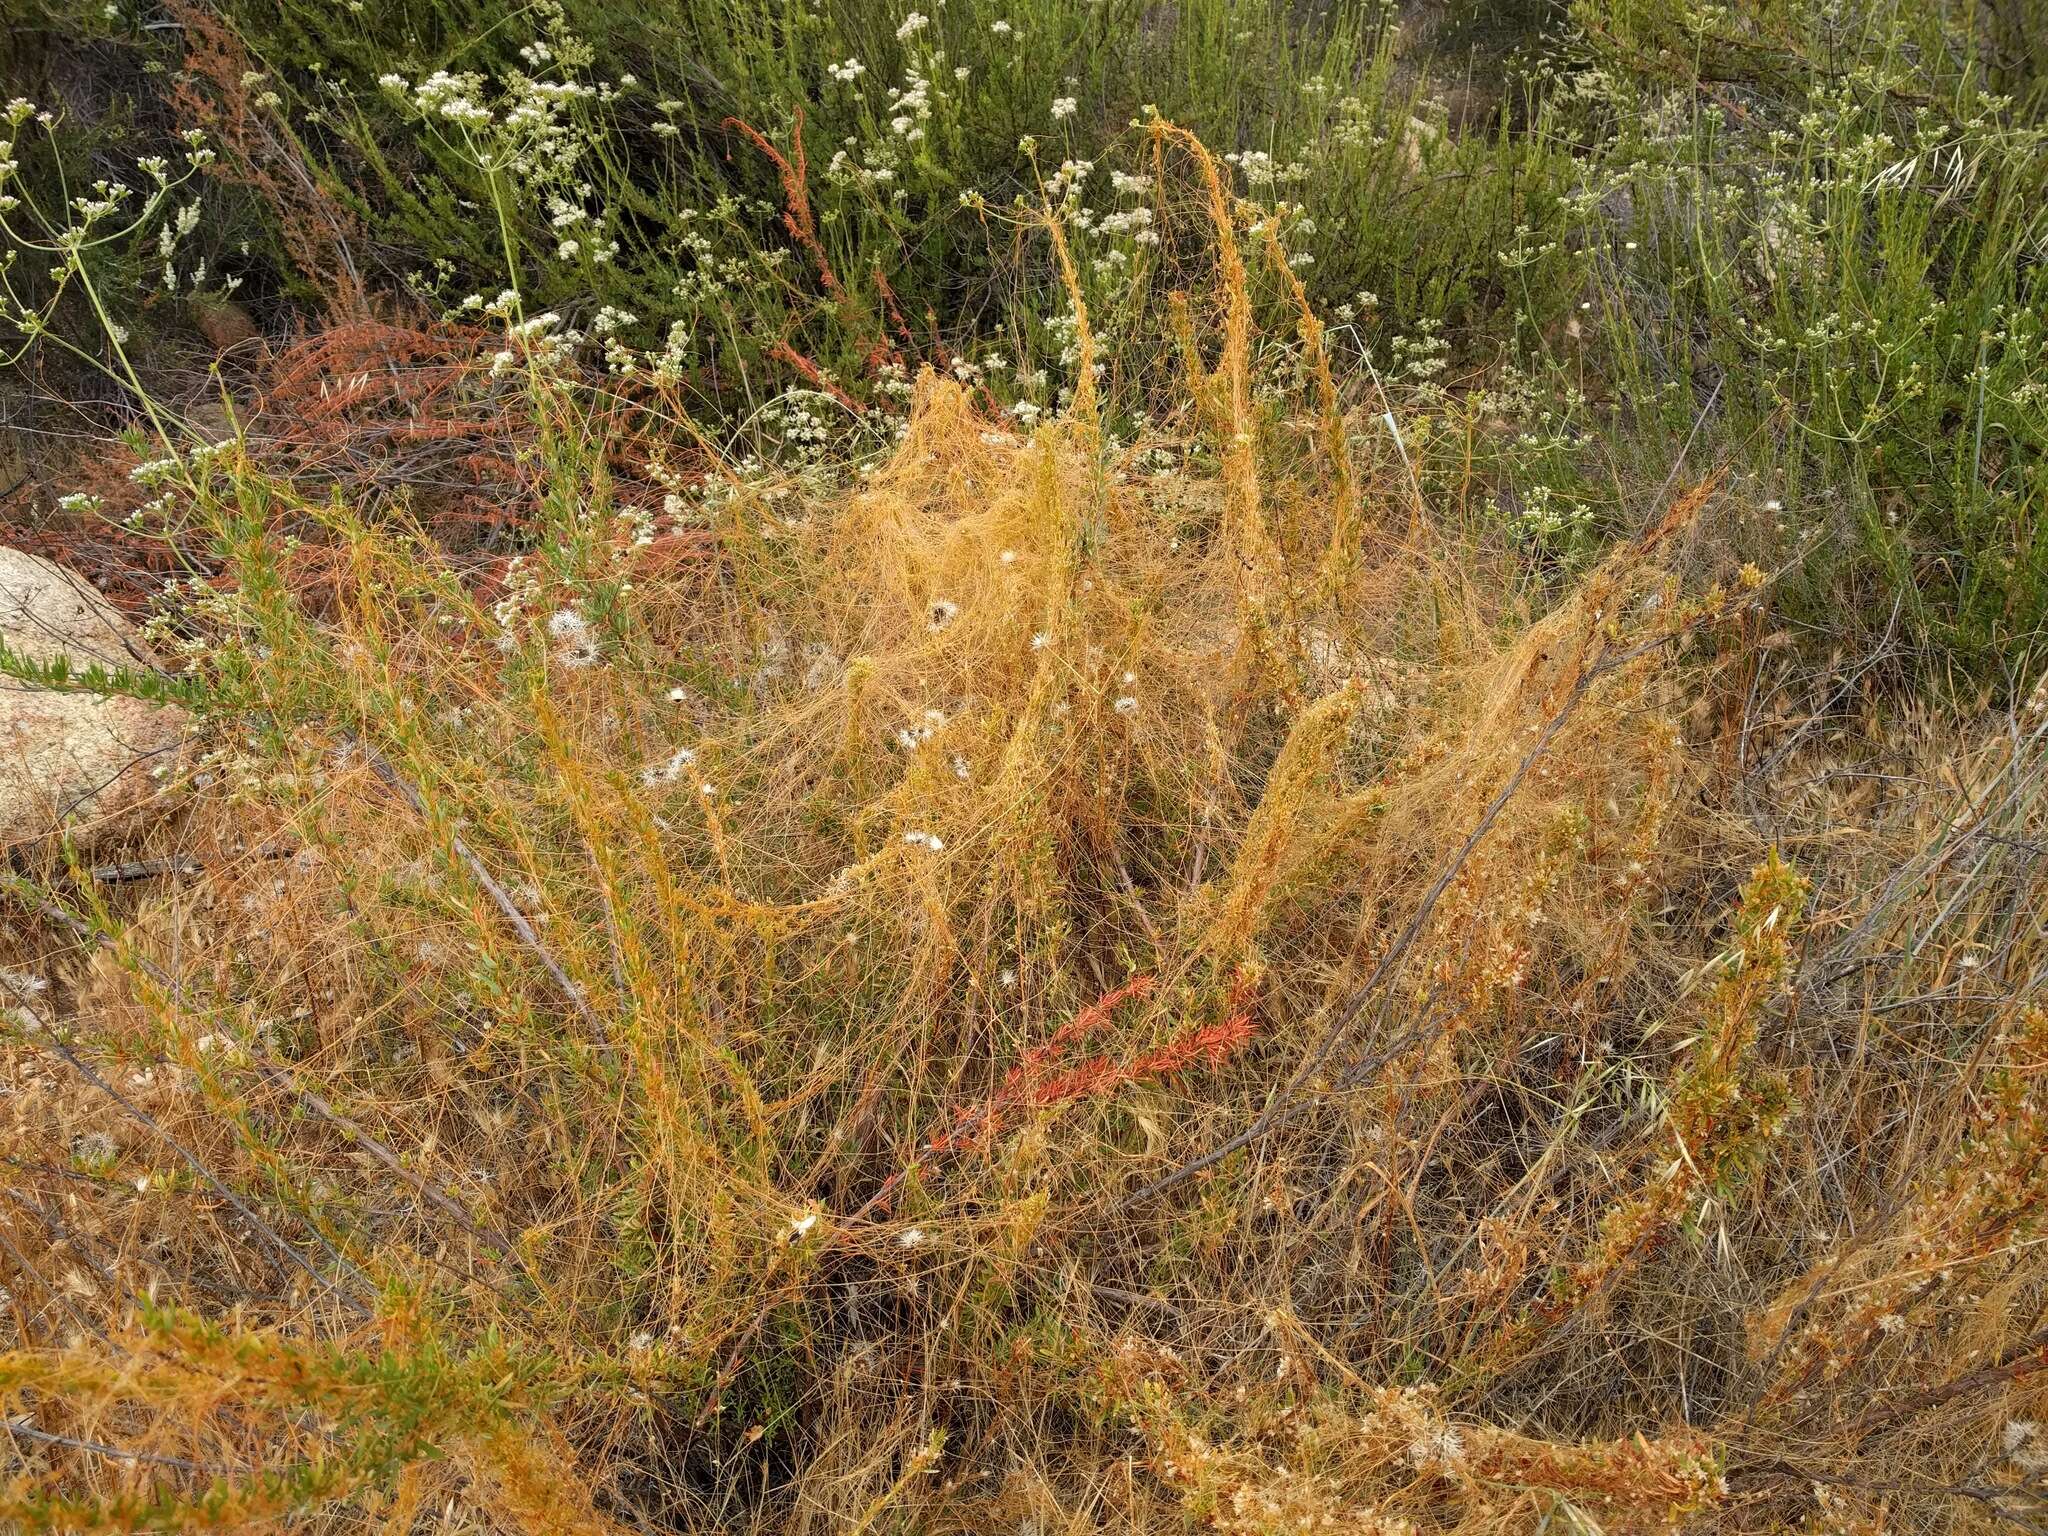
[1806, 240]
[1833, 218]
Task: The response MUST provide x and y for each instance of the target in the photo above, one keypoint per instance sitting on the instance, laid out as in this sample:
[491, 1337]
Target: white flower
[910, 1237]
[1008, 557]
[1126, 705]
[1008, 978]
[847, 72]
[1064, 106]
[23, 984]
[944, 611]
[677, 695]
[928, 840]
[575, 645]
[1001, 28]
[1040, 640]
[2024, 1444]
[1438, 1446]
[913, 24]
[803, 1224]
[670, 771]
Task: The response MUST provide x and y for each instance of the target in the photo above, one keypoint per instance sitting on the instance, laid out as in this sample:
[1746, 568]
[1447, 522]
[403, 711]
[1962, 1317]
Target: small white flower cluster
[929, 841]
[802, 417]
[1545, 517]
[637, 523]
[443, 95]
[2025, 1446]
[879, 170]
[174, 229]
[1126, 703]
[668, 772]
[1134, 222]
[107, 201]
[522, 587]
[533, 132]
[712, 274]
[1259, 169]
[1064, 186]
[575, 642]
[151, 473]
[910, 107]
[911, 737]
[1438, 1446]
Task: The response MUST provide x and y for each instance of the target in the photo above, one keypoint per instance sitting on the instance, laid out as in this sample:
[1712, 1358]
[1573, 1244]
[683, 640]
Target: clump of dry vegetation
[1047, 983]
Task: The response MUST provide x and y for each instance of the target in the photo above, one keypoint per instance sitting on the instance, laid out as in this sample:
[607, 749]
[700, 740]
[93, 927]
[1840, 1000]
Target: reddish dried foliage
[796, 213]
[793, 171]
[382, 414]
[1033, 1084]
[256, 150]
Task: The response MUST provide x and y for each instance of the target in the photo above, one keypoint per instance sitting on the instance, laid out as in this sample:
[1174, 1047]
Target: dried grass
[991, 1001]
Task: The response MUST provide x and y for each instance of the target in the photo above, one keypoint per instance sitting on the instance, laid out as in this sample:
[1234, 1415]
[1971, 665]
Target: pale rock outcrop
[71, 758]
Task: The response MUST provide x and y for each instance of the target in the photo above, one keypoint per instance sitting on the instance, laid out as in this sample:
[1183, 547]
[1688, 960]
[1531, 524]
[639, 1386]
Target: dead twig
[514, 918]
